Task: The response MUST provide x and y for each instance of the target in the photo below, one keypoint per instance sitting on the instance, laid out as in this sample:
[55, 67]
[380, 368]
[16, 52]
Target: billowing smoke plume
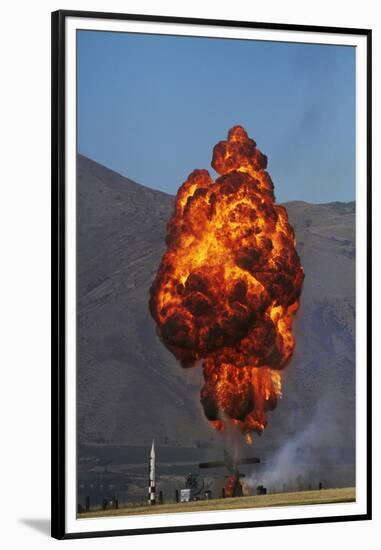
[318, 455]
[228, 285]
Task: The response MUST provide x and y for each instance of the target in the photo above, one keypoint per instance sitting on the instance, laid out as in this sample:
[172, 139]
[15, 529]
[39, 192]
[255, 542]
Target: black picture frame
[58, 252]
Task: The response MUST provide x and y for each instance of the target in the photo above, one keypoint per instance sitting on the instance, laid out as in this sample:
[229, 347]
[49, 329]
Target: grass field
[324, 496]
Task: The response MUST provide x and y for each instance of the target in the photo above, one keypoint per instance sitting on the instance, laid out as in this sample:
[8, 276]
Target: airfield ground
[324, 496]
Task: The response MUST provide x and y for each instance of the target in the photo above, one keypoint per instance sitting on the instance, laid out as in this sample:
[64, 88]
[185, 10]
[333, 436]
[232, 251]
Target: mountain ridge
[83, 159]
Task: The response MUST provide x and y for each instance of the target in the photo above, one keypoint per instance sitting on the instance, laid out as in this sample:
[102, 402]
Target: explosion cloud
[229, 283]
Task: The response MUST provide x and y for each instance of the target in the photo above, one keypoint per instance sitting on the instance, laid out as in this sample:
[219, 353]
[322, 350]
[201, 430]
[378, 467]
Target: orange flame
[229, 283]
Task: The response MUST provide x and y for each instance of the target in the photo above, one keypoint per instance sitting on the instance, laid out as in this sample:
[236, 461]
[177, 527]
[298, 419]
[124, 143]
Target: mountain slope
[130, 388]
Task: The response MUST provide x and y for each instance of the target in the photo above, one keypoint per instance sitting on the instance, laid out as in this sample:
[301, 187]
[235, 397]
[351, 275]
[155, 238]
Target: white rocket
[152, 478]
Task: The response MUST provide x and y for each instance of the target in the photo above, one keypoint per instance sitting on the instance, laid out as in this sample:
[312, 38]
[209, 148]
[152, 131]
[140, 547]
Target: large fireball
[229, 283]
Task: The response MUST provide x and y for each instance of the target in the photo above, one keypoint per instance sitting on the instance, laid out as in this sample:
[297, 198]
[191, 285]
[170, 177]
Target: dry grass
[325, 496]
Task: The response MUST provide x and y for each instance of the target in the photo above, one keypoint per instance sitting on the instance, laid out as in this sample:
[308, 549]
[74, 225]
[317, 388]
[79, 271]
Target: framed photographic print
[211, 258]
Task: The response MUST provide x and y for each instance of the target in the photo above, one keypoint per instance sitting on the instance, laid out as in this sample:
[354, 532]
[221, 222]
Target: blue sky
[152, 108]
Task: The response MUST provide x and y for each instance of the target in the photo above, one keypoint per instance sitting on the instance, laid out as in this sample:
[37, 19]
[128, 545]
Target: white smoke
[316, 455]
